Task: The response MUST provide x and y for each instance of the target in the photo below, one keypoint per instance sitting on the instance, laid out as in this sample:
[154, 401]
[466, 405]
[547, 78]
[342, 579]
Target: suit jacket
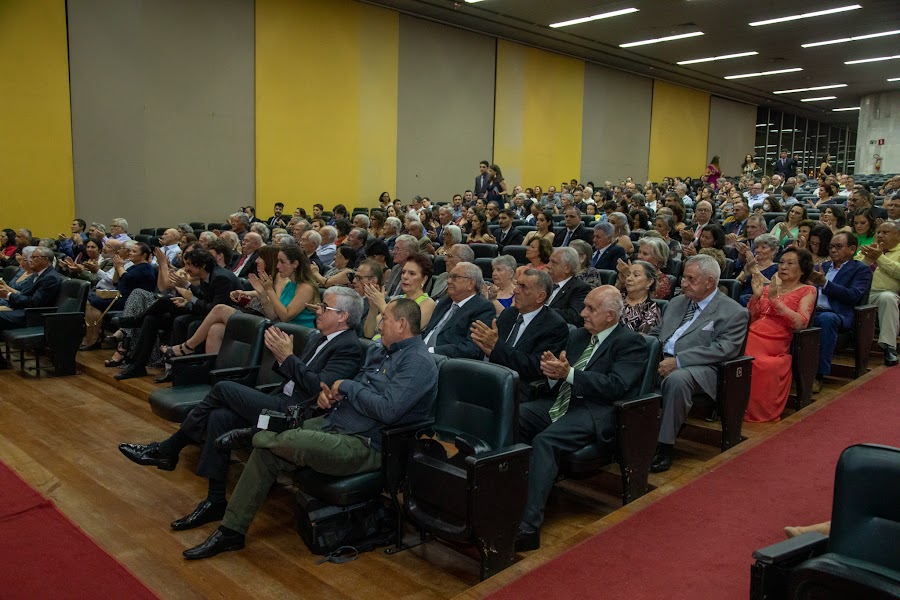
[44, 292]
[314, 259]
[215, 291]
[569, 301]
[274, 222]
[610, 258]
[716, 335]
[581, 233]
[547, 331]
[785, 168]
[514, 237]
[341, 358]
[481, 184]
[454, 340]
[248, 267]
[614, 373]
[732, 227]
[850, 284]
[393, 280]
[438, 287]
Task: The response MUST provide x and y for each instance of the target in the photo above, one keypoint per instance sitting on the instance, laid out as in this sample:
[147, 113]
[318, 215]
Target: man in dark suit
[701, 327]
[575, 229]
[245, 262]
[523, 332]
[278, 220]
[481, 182]
[188, 309]
[505, 233]
[44, 292]
[606, 253]
[785, 165]
[842, 283]
[602, 363]
[330, 354]
[448, 330]
[568, 292]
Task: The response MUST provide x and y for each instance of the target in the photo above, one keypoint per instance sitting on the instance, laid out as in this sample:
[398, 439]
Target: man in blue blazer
[606, 253]
[843, 283]
[44, 292]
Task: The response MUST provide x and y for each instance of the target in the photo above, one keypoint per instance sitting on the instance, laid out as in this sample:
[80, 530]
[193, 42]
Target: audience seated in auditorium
[603, 362]
[574, 229]
[543, 228]
[457, 254]
[447, 332]
[405, 246]
[500, 290]
[665, 226]
[567, 297]
[586, 273]
[398, 382]
[414, 277]
[607, 252]
[842, 283]
[506, 234]
[701, 327]
[23, 279]
[762, 259]
[780, 304]
[339, 274]
[640, 312]
[884, 256]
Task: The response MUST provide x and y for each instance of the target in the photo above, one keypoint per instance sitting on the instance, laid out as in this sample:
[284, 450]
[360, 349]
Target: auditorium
[449, 299]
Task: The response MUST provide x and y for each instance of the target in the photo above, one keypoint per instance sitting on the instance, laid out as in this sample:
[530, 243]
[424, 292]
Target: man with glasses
[368, 272]
[842, 283]
[455, 255]
[448, 330]
[884, 255]
[331, 354]
[756, 195]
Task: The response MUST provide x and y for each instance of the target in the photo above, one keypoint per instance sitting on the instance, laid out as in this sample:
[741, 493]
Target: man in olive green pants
[397, 386]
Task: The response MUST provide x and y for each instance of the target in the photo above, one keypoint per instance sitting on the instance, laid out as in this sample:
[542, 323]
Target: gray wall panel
[162, 109]
[732, 133]
[445, 110]
[616, 125]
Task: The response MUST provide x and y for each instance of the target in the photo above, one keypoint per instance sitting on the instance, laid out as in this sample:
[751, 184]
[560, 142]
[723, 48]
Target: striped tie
[561, 405]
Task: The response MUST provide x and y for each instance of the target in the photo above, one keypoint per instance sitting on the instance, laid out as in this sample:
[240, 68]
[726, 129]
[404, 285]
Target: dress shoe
[817, 385]
[87, 347]
[661, 462]
[164, 378]
[236, 439]
[219, 541]
[890, 356]
[149, 454]
[206, 512]
[527, 538]
[130, 372]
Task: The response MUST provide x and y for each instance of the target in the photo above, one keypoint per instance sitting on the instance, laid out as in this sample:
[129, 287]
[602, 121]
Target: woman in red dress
[776, 311]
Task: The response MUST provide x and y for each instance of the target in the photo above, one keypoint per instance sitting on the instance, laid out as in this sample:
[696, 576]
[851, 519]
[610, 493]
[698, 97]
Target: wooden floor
[61, 436]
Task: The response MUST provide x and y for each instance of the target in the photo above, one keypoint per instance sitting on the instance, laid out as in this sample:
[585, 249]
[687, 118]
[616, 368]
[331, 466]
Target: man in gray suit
[701, 328]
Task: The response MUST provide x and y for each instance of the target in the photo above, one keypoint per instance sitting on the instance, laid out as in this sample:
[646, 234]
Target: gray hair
[328, 234]
[455, 233]
[365, 219]
[411, 243]
[583, 249]
[622, 220]
[314, 236]
[543, 278]
[522, 195]
[42, 251]
[466, 254]
[608, 228]
[505, 262]
[231, 238]
[120, 223]
[759, 219]
[394, 222]
[568, 196]
[261, 229]
[417, 226]
[658, 248]
[639, 197]
[569, 257]
[184, 228]
[285, 239]
[348, 301]
[680, 187]
[669, 221]
[242, 217]
[209, 236]
[130, 244]
[768, 240]
[100, 226]
[706, 264]
[650, 271]
[474, 273]
[28, 250]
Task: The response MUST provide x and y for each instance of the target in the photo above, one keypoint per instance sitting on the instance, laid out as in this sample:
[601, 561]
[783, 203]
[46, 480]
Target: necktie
[433, 336]
[561, 405]
[237, 269]
[553, 293]
[567, 238]
[692, 308]
[514, 334]
[596, 259]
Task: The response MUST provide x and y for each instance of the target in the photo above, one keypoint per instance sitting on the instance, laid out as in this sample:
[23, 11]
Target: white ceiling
[725, 24]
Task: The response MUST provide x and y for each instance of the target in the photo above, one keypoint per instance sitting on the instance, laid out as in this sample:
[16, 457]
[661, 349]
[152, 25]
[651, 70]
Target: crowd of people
[578, 272]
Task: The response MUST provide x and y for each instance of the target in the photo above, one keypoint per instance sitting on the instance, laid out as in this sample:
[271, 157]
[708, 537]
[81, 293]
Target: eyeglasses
[322, 308]
[456, 276]
[837, 246]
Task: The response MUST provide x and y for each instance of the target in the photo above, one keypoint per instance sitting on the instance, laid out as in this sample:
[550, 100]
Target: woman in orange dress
[776, 311]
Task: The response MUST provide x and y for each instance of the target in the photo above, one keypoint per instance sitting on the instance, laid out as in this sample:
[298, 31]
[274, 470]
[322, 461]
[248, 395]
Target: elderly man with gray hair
[327, 247]
[119, 230]
[568, 292]
[701, 328]
[240, 224]
[456, 254]
[43, 291]
[405, 246]
[448, 331]
[390, 231]
[206, 237]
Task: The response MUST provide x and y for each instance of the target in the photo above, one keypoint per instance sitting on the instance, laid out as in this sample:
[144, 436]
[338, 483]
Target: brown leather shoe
[817, 385]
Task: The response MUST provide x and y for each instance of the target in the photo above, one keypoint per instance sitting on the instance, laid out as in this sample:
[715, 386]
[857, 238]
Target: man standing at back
[482, 180]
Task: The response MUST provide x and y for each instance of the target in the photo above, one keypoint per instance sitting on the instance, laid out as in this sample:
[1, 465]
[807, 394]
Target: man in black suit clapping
[448, 329]
[568, 292]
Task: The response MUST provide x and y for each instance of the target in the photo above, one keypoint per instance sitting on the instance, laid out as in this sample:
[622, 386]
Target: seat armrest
[34, 317]
[268, 388]
[193, 369]
[793, 550]
[516, 451]
[637, 430]
[244, 375]
[537, 390]
[395, 446]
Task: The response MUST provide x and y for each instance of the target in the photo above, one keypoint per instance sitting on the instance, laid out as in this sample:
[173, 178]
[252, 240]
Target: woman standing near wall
[713, 172]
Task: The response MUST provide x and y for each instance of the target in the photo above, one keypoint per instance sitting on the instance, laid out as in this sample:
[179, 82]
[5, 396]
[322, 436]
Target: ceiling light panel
[819, 99]
[843, 109]
[855, 38]
[763, 73]
[712, 58]
[607, 15]
[809, 15]
[812, 89]
[868, 60]
[894, 79]
[669, 38]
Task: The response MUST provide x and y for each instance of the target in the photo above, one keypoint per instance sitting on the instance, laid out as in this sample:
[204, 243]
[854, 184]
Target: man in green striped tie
[602, 363]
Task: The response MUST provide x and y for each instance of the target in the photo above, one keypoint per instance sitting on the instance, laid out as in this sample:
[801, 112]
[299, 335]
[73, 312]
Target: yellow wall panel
[679, 128]
[538, 118]
[326, 102]
[36, 186]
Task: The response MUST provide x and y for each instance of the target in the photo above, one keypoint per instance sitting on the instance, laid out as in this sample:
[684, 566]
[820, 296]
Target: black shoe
[206, 512]
[149, 454]
[662, 460]
[94, 346]
[219, 541]
[131, 371]
[164, 378]
[528, 538]
[890, 357]
[236, 439]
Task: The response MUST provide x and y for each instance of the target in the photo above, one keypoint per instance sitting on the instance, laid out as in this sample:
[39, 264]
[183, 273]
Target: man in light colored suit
[701, 328]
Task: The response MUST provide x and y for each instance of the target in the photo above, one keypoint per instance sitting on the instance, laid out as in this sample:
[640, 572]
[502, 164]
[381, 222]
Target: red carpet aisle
[697, 542]
[44, 555]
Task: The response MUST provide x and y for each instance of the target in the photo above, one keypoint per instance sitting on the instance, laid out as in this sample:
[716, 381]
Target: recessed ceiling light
[473, 1]
[818, 13]
[855, 38]
[668, 38]
[894, 79]
[866, 60]
[819, 99]
[712, 58]
[843, 109]
[812, 89]
[615, 13]
[761, 73]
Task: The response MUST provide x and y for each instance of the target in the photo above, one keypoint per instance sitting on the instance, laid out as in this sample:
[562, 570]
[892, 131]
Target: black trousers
[163, 315]
[227, 406]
